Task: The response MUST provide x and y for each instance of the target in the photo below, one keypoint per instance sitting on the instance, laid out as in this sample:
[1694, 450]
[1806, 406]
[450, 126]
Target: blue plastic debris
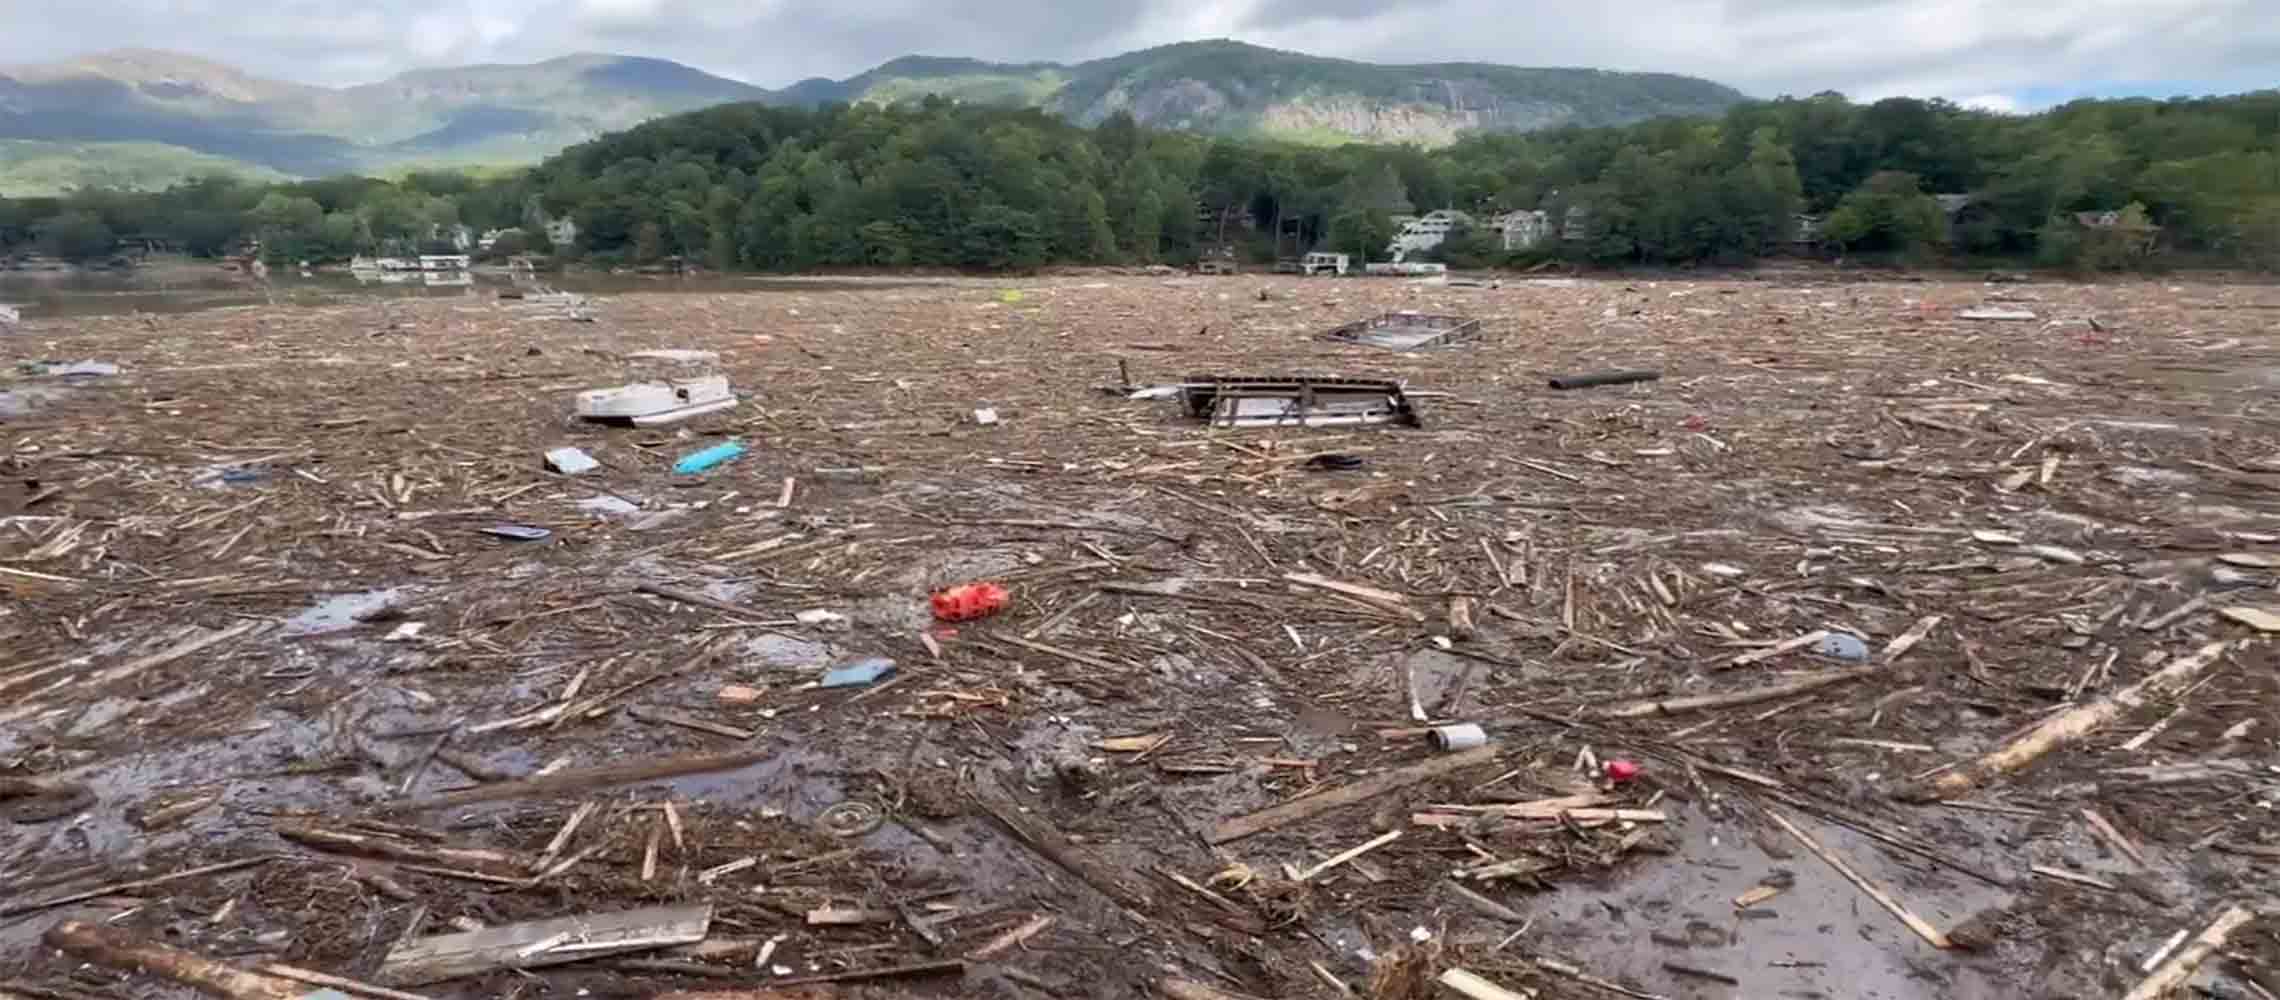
[1843, 647]
[698, 461]
[241, 476]
[860, 674]
[518, 532]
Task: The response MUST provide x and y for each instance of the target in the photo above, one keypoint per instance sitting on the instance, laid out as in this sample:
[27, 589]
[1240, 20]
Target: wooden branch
[1752, 696]
[2173, 973]
[2073, 724]
[1272, 817]
[115, 888]
[120, 950]
[1915, 923]
[1045, 840]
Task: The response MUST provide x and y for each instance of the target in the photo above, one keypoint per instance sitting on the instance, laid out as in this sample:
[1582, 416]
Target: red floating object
[968, 601]
[1620, 771]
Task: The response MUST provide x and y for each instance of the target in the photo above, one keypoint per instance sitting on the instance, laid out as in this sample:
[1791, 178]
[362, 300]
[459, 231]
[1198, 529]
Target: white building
[1425, 232]
[1524, 229]
[561, 232]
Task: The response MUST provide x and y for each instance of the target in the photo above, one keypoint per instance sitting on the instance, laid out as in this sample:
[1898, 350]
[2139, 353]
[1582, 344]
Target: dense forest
[2193, 182]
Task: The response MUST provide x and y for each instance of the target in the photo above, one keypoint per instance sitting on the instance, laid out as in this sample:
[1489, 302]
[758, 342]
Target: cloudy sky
[1996, 53]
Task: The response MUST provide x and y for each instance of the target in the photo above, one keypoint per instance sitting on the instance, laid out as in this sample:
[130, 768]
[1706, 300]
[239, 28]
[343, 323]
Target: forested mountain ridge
[518, 114]
[1230, 88]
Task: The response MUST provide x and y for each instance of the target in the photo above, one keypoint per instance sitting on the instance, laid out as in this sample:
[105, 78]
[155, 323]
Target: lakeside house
[1424, 232]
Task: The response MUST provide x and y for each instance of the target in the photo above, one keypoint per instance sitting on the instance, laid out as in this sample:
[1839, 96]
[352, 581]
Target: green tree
[1890, 213]
[76, 236]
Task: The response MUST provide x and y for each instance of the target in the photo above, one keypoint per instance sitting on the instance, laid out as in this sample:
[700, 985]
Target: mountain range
[78, 121]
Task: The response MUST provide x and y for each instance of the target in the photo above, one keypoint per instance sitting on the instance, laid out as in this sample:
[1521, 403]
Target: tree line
[2104, 184]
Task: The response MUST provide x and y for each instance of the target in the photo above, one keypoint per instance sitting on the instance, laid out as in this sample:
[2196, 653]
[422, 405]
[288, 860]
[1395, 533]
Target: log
[2073, 724]
[2174, 972]
[586, 779]
[388, 849]
[1297, 809]
[120, 950]
[1752, 696]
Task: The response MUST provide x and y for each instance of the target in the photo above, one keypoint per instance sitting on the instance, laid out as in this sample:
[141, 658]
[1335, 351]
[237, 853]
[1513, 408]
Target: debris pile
[1871, 650]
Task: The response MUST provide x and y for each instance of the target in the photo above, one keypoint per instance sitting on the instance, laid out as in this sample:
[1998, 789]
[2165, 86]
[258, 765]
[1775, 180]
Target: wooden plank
[539, 943]
[587, 779]
[1269, 818]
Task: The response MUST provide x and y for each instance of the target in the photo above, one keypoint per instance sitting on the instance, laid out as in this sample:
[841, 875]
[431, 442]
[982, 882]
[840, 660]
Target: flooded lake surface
[177, 290]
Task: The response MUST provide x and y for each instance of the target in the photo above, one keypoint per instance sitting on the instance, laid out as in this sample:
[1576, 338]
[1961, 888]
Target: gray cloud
[1978, 49]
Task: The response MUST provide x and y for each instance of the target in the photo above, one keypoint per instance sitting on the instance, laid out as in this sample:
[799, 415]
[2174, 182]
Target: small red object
[968, 601]
[1620, 771]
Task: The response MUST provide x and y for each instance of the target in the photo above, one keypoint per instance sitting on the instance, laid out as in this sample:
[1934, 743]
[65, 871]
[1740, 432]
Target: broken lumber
[1271, 817]
[110, 946]
[2174, 972]
[2073, 724]
[584, 779]
[1930, 934]
[1751, 696]
[537, 943]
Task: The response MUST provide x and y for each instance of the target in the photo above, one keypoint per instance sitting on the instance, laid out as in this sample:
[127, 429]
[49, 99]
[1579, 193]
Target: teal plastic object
[698, 461]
